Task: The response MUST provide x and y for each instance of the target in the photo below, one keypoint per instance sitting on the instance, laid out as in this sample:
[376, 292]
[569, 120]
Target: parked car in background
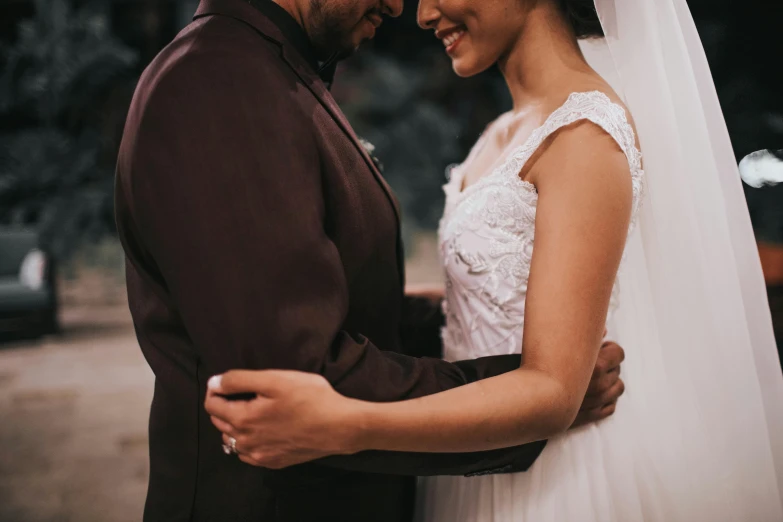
[28, 293]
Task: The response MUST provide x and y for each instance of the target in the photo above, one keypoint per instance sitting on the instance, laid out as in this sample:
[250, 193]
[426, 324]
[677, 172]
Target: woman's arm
[582, 221]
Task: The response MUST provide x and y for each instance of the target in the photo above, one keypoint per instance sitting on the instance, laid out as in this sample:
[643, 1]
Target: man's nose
[393, 8]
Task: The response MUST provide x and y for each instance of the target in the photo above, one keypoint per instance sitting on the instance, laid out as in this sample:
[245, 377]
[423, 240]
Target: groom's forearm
[508, 460]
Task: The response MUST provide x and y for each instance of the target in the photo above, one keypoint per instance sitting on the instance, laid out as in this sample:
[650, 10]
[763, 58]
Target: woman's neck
[542, 59]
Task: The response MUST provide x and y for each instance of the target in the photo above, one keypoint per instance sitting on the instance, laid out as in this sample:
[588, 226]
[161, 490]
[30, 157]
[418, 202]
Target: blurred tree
[420, 117]
[385, 101]
[400, 93]
[743, 48]
[56, 166]
[66, 82]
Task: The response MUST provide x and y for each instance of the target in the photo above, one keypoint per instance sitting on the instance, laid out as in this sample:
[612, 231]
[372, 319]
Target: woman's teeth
[452, 38]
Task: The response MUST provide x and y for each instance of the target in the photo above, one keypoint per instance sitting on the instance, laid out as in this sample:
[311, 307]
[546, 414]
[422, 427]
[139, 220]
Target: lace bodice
[487, 230]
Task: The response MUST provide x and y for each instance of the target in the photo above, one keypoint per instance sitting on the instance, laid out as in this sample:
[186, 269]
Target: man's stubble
[331, 24]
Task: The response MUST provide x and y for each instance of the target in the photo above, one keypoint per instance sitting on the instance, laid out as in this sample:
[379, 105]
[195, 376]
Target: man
[259, 234]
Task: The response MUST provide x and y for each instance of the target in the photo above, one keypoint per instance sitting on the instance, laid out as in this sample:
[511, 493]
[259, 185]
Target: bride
[554, 229]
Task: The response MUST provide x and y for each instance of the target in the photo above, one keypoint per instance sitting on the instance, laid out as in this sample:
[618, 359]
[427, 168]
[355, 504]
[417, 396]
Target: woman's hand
[295, 417]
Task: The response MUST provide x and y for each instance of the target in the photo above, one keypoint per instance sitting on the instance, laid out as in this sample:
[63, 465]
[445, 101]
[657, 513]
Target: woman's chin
[464, 69]
[469, 63]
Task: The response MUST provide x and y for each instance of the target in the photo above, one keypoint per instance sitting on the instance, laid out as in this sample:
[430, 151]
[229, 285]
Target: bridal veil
[693, 316]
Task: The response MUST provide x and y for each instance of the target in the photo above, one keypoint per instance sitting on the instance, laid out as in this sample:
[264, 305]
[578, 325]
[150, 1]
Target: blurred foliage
[384, 100]
[420, 118]
[402, 96]
[65, 82]
[743, 47]
[57, 77]
[747, 78]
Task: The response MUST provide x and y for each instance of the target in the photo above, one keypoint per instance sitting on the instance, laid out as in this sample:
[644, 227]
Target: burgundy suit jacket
[259, 234]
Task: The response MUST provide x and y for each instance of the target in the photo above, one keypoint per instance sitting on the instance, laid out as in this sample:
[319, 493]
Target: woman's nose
[427, 15]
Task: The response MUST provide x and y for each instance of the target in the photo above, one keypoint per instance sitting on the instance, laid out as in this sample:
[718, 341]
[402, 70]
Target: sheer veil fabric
[693, 314]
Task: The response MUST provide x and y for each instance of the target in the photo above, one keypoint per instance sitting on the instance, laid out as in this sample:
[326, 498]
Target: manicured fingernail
[214, 382]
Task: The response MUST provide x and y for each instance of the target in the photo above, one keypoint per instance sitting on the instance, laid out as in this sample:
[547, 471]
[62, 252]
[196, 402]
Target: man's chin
[343, 50]
[355, 45]
[359, 38]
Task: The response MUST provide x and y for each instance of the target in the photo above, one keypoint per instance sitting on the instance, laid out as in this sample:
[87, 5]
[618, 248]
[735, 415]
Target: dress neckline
[458, 179]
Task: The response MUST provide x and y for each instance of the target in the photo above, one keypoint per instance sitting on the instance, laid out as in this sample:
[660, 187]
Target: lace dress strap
[596, 107]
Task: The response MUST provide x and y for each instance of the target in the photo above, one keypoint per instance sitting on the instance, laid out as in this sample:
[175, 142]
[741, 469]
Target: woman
[536, 224]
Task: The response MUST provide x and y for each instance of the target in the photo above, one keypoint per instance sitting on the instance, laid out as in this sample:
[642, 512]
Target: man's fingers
[611, 355]
[604, 382]
[613, 352]
[592, 402]
[604, 411]
[596, 414]
[593, 415]
[605, 387]
[606, 395]
[608, 410]
[612, 394]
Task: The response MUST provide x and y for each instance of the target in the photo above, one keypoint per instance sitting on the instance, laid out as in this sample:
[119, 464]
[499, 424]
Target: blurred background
[74, 388]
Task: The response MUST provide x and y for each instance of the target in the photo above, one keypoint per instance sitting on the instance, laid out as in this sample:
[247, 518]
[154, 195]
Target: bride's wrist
[357, 427]
[374, 427]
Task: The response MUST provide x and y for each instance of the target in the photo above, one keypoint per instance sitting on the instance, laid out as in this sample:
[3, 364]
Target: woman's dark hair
[583, 18]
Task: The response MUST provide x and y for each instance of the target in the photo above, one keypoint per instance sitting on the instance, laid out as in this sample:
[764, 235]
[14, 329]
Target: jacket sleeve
[421, 323]
[234, 218]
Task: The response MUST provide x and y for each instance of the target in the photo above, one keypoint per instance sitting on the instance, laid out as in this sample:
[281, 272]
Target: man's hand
[432, 292]
[605, 386]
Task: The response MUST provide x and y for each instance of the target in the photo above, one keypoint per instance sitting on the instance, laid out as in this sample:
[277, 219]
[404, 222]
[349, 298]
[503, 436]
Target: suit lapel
[246, 13]
[319, 90]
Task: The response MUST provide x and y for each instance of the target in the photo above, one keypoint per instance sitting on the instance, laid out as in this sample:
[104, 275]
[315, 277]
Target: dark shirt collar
[297, 36]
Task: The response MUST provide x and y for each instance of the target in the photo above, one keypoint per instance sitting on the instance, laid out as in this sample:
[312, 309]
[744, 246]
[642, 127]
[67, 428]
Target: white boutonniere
[370, 148]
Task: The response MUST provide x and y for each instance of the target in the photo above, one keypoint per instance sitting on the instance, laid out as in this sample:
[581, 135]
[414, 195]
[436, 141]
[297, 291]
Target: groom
[259, 234]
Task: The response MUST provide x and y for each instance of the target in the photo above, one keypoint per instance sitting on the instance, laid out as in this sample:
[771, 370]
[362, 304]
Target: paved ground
[73, 410]
[73, 417]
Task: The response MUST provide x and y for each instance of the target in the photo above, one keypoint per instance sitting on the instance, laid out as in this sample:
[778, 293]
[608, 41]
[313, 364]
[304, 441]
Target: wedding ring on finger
[231, 447]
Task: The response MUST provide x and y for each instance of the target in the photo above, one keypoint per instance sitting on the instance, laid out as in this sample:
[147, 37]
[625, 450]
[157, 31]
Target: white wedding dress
[635, 466]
